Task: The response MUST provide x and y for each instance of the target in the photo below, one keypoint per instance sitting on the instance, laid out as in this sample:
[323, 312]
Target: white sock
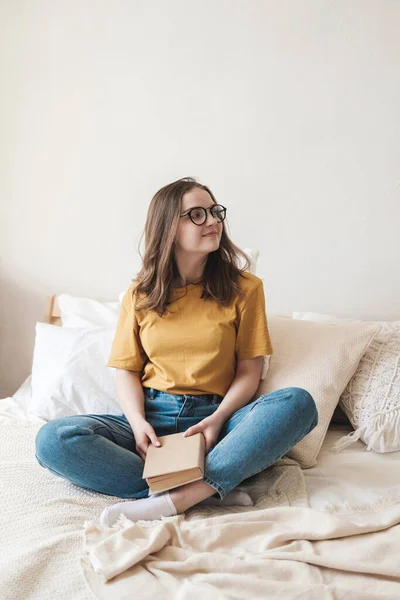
[160, 504]
[235, 497]
[146, 509]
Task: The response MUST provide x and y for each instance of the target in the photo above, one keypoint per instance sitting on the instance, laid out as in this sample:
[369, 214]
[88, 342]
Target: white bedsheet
[354, 476]
[17, 406]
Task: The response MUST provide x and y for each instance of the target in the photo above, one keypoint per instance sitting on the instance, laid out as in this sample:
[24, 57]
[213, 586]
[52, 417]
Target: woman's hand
[144, 436]
[210, 427]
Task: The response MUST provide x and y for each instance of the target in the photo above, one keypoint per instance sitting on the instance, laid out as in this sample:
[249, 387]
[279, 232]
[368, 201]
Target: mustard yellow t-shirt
[194, 347]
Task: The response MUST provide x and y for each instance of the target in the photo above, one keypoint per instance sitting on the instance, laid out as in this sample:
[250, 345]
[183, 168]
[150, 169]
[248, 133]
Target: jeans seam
[179, 414]
[218, 486]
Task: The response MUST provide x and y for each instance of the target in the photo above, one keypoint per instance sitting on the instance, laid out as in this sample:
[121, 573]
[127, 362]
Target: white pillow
[320, 358]
[69, 372]
[76, 311]
[253, 255]
[371, 399]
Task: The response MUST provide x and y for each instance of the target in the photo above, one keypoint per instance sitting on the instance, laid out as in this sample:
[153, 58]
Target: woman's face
[197, 238]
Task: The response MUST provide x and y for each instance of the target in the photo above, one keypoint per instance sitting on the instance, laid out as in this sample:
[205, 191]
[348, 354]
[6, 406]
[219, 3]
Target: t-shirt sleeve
[253, 338]
[126, 350]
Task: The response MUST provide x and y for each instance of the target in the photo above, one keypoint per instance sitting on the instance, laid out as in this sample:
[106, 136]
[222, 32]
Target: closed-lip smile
[211, 233]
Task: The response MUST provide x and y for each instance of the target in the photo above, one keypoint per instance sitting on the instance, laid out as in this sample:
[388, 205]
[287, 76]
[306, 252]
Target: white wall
[288, 110]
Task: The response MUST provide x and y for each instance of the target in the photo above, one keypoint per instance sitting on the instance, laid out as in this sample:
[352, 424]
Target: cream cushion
[371, 399]
[320, 358]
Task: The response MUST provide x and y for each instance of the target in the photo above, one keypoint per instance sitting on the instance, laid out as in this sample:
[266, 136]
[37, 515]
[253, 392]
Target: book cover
[177, 461]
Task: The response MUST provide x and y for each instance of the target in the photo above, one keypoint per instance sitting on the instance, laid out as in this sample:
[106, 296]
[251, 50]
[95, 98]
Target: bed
[330, 531]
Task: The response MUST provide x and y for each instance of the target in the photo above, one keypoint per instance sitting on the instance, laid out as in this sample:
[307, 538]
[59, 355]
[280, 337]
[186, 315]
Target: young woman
[188, 349]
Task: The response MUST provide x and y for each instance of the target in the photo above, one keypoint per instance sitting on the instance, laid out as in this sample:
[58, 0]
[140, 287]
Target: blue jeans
[97, 452]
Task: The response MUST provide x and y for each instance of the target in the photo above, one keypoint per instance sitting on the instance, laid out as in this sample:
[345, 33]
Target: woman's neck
[179, 282]
[188, 273]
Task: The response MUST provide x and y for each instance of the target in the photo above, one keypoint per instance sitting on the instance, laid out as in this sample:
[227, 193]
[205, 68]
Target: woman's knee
[52, 438]
[305, 404]
[47, 441]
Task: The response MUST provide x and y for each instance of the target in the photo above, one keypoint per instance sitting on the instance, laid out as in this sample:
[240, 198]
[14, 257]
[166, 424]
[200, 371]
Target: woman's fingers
[154, 440]
[151, 434]
[150, 439]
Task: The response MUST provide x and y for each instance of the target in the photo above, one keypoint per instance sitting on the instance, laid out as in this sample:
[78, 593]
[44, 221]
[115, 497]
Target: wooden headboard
[52, 315]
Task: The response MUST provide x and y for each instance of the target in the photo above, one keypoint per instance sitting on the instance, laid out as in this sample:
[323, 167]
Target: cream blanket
[280, 547]
[52, 546]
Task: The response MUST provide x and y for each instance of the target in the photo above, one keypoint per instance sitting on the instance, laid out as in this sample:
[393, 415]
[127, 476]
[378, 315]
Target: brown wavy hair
[159, 269]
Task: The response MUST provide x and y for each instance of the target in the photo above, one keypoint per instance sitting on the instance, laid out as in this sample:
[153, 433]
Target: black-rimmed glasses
[198, 214]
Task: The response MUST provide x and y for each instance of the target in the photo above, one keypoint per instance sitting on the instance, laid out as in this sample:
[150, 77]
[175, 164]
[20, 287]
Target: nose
[210, 219]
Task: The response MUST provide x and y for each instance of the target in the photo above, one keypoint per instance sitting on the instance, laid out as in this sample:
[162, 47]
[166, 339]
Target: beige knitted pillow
[371, 399]
[320, 358]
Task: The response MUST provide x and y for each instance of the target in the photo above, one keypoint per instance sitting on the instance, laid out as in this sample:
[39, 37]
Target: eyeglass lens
[199, 215]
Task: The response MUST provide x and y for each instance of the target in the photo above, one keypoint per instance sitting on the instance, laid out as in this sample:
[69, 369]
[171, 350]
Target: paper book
[177, 461]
